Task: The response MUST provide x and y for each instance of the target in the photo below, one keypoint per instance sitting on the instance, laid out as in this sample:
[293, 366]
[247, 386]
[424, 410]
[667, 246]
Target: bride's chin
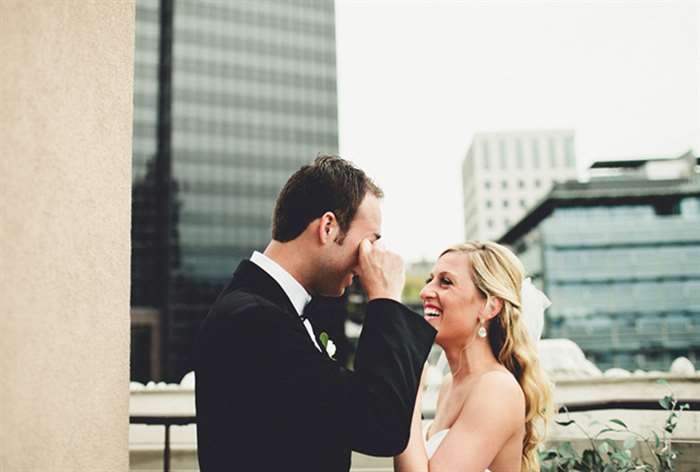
[439, 340]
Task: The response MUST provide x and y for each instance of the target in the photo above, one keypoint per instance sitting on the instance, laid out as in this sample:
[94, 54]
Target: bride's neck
[466, 361]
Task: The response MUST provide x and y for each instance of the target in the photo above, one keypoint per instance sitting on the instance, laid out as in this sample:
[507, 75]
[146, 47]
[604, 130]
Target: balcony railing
[635, 404]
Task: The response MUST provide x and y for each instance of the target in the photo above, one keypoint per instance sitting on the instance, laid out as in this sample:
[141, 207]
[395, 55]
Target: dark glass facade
[253, 99]
[623, 277]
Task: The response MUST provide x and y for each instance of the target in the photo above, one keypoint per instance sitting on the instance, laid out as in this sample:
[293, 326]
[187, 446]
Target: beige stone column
[66, 78]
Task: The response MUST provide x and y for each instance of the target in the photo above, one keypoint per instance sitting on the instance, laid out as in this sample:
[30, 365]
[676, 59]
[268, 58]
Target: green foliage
[411, 289]
[606, 455]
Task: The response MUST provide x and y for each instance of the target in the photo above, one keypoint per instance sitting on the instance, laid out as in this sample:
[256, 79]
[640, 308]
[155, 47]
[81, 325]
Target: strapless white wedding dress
[432, 444]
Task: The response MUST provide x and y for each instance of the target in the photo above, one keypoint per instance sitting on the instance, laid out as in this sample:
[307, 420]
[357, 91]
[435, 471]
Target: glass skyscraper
[253, 98]
[620, 259]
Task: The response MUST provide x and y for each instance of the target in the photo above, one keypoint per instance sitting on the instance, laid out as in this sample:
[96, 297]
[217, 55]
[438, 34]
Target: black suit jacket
[268, 400]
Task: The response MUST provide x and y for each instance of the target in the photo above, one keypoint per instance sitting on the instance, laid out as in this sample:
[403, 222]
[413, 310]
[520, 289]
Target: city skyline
[417, 79]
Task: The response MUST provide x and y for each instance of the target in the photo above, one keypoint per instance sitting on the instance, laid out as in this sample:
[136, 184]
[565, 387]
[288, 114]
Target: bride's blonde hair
[497, 272]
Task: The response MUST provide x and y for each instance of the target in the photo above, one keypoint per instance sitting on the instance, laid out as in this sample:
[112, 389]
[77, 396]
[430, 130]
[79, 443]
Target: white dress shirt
[296, 293]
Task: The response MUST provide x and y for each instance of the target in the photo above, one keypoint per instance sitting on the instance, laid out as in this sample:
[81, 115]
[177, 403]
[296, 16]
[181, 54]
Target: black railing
[572, 407]
[633, 404]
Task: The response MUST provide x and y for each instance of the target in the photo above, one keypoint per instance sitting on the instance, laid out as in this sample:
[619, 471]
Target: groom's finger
[365, 247]
[364, 253]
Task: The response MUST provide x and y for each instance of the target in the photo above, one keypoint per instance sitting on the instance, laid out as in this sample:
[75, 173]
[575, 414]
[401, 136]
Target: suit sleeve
[392, 350]
[370, 408]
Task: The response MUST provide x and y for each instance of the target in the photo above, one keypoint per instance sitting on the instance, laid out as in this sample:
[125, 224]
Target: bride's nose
[427, 293]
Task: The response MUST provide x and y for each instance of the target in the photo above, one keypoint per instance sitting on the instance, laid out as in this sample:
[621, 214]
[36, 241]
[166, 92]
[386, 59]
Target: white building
[505, 174]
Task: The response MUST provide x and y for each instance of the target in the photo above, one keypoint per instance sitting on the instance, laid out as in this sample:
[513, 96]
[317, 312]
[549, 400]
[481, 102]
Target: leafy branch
[607, 455]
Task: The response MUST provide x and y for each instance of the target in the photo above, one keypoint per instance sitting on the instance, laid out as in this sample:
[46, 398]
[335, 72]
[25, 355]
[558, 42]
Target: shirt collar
[296, 293]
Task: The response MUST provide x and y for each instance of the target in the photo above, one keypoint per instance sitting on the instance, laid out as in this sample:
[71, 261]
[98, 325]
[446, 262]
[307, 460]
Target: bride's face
[451, 301]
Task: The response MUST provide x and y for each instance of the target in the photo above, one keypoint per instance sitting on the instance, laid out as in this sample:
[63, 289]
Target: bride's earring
[482, 329]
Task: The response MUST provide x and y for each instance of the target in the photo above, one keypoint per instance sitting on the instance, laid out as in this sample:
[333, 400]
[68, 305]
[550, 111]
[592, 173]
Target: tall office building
[619, 256]
[506, 174]
[252, 98]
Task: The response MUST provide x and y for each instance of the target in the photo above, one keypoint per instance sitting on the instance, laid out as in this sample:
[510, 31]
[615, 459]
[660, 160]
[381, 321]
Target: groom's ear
[327, 228]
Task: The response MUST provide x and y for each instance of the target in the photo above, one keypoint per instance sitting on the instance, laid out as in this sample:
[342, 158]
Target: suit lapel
[310, 310]
[251, 278]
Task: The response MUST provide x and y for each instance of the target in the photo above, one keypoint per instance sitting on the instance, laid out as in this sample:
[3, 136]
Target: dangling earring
[482, 329]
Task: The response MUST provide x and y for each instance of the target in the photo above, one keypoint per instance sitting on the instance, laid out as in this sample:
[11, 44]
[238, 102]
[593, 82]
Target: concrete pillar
[66, 78]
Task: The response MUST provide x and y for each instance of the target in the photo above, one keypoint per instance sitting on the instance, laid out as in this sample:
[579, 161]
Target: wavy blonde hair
[498, 273]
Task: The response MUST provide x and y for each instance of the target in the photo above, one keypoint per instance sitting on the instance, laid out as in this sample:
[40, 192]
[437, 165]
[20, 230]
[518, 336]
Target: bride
[489, 406]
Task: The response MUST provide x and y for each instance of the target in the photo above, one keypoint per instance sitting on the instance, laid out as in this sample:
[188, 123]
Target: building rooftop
[629, 163]
[608, 191]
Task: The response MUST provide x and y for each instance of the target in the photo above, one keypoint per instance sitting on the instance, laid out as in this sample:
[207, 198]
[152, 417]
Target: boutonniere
[327, 343]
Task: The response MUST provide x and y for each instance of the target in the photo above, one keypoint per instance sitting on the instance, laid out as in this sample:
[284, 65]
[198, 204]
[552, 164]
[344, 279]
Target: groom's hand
[381, 271]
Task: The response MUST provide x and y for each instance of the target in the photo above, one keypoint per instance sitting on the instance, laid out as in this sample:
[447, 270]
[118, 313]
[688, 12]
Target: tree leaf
[567, 451]
[666, 402]
[662, 381]
[591, 459]
[620, 457]
[565, 423]
[657, 441]
[616, 421]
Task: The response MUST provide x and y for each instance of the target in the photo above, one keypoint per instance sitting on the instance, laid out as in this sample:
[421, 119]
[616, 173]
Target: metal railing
[572, 407]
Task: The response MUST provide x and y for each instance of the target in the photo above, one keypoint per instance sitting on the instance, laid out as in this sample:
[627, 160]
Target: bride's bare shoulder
[496, 393]
[500, 385]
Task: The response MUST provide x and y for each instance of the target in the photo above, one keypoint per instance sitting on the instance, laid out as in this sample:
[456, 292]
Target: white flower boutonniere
[327, 343]
[330, 348]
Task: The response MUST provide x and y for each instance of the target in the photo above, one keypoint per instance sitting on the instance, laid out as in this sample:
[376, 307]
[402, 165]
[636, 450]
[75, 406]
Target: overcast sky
[416, 79]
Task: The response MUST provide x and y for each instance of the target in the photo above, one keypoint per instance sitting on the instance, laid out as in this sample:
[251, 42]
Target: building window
[503, 155]
[521, 184]
[538, 184]
[487, 185]
[667, 208]
[522, 203]
[489, 223]
[569, 153]
[506, 223]
[488, 203]
[552, 153]
[519, 159]
[505, 203]
[535, 154]
[504, 184]
[485, 155]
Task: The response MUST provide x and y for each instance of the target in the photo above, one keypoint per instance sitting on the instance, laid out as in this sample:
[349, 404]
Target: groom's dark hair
[329, 184]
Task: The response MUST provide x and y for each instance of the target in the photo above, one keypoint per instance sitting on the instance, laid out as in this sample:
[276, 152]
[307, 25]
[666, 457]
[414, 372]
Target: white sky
[416, 79]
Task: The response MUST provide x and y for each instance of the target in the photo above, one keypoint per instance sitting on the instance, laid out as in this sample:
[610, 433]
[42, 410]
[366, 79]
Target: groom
[269, 398]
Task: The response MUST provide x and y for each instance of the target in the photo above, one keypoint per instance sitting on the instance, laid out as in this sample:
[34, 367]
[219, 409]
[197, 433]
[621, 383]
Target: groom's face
[342, 254]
